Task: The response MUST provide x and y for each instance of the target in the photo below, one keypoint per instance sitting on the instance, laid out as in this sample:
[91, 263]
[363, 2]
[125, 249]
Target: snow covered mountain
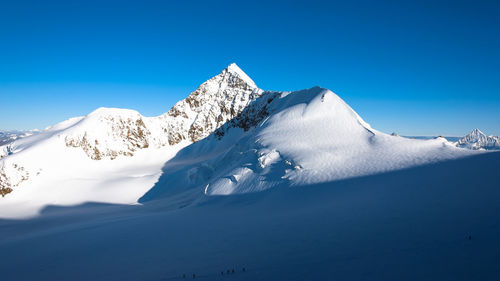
[478, 140]
[108, 133]
[226, 137]
[239, 183]
[10, 136]
[296, 139]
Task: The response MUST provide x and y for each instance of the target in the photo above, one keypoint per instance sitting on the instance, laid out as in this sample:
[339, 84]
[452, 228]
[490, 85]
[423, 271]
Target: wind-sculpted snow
[433, 222]
[226, 137]
[306, 137]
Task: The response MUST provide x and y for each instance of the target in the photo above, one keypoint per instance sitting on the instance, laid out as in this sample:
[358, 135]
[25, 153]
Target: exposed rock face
[478, 140]
[10, 177]
[230, 99]
[5, 150]
[251, 116]
[214, 103]
[115, 132]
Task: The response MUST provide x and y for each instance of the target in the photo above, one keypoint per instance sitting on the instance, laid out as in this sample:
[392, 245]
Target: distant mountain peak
[10, 136]
[478, 140]
[476, 131]
[475, 134]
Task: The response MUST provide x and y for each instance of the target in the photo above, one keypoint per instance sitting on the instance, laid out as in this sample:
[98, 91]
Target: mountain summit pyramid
[215, 102]
[478, 140]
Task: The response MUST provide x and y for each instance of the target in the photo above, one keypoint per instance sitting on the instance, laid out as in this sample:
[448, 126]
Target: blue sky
[414, 67]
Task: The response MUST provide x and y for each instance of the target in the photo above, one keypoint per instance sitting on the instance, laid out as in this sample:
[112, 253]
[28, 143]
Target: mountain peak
[234, 69]
[478, 140]
[476, 131]
[212, 104]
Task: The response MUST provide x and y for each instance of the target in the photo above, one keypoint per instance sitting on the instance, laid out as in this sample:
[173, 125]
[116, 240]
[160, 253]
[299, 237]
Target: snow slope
[411, 224]
[228, 137]
[307, 137]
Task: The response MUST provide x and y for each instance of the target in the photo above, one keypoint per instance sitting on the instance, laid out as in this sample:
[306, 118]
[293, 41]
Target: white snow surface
[310, 137]
[432, 222]
[228, 137]
[60, 175]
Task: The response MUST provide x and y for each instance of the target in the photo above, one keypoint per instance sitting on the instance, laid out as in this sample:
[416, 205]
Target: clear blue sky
[414, 67]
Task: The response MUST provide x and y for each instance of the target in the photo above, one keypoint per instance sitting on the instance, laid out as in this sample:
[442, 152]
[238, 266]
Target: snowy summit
[478, 140]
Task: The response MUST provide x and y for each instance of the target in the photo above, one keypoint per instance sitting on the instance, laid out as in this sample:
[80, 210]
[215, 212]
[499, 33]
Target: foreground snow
[411, 224]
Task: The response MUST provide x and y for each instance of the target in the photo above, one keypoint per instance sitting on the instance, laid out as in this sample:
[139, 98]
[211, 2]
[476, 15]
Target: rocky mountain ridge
[205, 110]
[109, 133]
[478, 140]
